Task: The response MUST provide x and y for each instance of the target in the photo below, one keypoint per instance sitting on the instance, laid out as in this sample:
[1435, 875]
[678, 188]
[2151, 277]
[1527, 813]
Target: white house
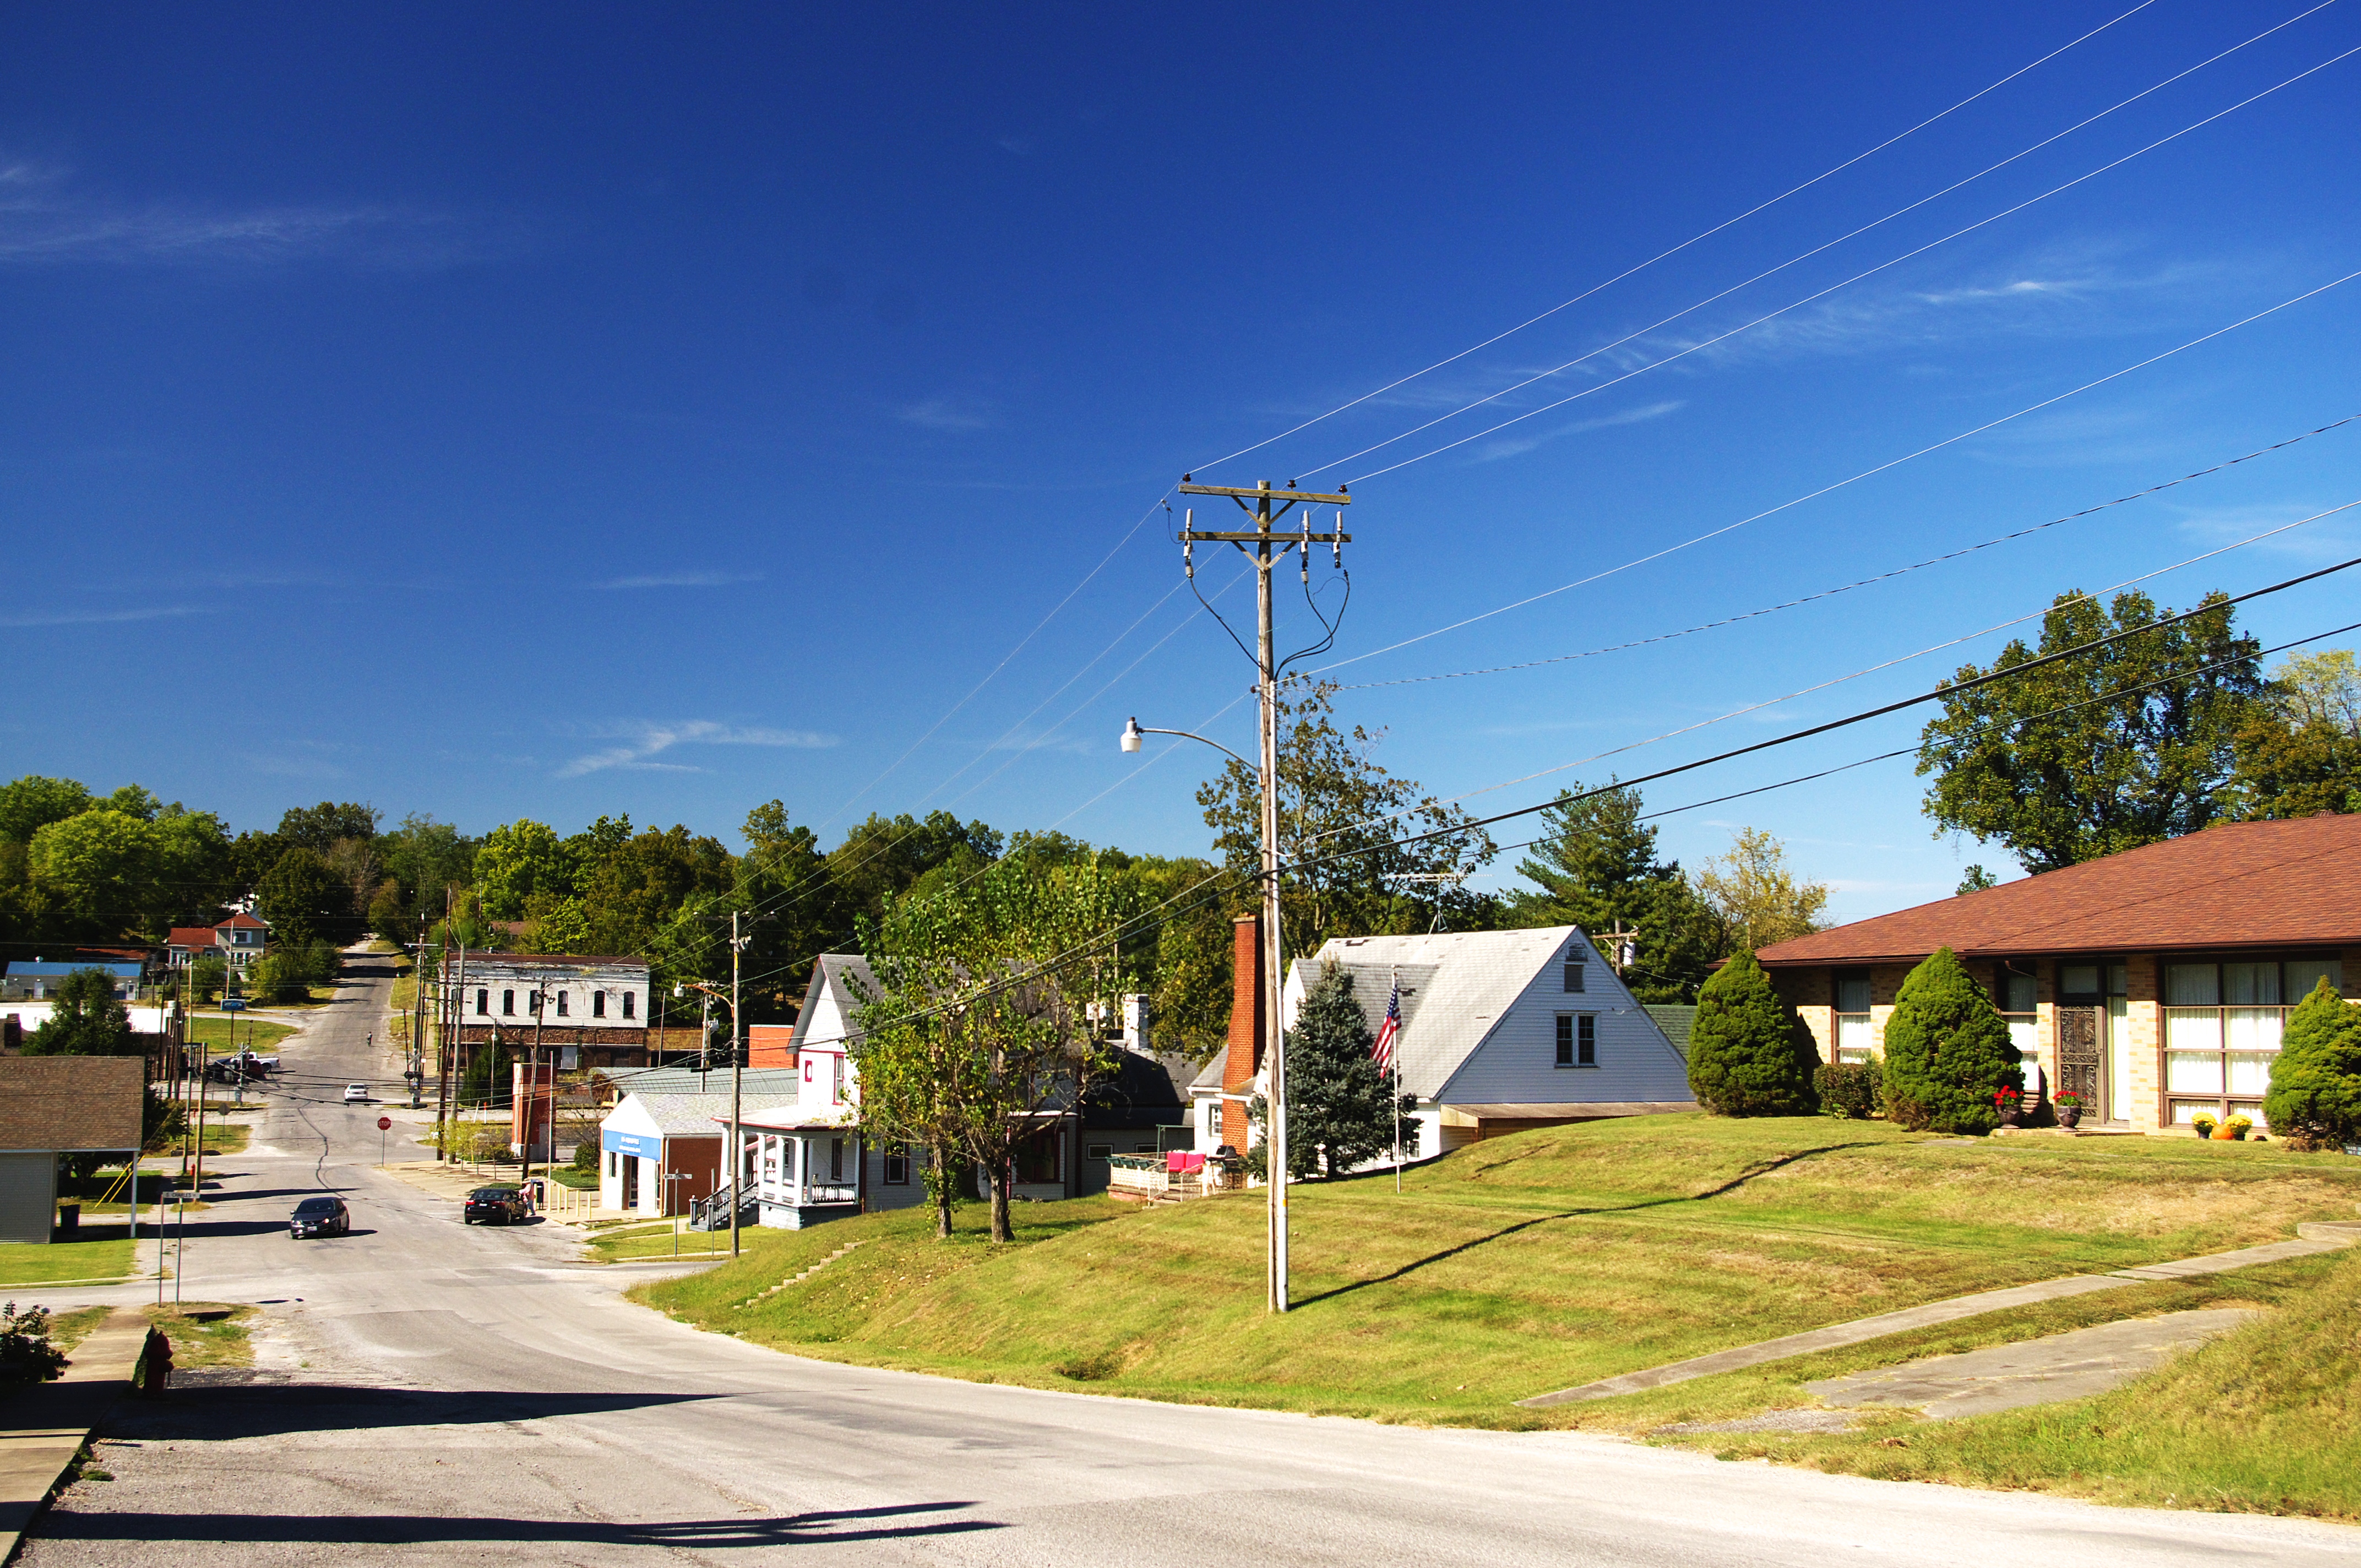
[659, 1153]
[1502, 1031]
[590, 1010]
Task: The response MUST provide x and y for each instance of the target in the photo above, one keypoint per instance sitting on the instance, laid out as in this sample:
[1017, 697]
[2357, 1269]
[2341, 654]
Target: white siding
[1515, 1062]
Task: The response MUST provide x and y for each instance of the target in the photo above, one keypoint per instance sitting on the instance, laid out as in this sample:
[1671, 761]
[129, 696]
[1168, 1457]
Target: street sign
[233, 1004]
[383, 1123]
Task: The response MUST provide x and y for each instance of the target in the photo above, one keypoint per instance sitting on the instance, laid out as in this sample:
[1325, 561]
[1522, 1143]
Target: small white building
[1502, 1031]
[659, 1153]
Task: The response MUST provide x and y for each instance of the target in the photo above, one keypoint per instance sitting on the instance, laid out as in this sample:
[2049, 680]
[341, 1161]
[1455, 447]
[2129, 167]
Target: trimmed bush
[1947, 1050]
[1747, 1056]
[2315, 1094]
[1850, 1090]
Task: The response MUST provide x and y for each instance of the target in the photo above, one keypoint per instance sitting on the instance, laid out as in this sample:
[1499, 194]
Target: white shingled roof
[691, 1115]
[1454, 988]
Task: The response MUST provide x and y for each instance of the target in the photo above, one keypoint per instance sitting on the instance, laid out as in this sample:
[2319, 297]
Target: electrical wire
[1674, 250]
[1861, 582]
[1841, 484]
[1797, 305]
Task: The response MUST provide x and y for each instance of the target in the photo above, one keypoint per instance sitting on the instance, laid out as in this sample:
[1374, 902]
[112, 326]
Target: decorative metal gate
[2078, 1056]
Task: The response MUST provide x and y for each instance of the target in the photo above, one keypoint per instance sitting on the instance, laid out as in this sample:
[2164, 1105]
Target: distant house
[35, 981]
[243, 938]
[2155, 983]
[59, 1105]
[1502, 1031]
[589, 1010]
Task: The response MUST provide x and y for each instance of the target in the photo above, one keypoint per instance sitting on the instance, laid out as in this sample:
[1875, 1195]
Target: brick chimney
[1245, 1057]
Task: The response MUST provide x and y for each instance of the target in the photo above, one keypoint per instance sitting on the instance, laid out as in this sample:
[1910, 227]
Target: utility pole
[737, 1055]
[1268, 550]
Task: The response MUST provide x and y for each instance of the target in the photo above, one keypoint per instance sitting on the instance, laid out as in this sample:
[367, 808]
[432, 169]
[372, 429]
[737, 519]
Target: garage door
[28, 1196]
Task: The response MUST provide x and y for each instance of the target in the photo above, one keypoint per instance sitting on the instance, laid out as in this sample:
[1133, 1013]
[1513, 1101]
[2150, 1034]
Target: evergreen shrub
[1747, 1056]
[1947, 1050]
[1850, 1090]
[2314, 1100]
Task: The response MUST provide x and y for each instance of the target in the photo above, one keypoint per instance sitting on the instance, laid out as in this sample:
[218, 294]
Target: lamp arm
[1186, 735]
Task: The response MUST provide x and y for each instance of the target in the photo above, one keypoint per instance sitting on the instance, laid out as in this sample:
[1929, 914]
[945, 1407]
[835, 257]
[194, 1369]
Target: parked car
[324, 1216]
[356, 1093]
[505, 1204]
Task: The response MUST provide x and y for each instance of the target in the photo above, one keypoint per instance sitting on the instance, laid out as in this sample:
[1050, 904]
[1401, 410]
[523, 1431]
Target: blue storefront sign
[645, 1144]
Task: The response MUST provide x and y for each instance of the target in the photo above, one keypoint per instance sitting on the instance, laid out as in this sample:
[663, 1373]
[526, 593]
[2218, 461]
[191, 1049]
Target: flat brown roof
[72, 1104]
[2245, 884]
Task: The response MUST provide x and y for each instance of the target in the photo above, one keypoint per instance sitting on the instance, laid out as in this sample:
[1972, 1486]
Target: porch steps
[799, 1279]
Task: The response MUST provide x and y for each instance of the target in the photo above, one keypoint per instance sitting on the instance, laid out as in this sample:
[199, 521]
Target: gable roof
[191, 937]
[783, 1081]
[2246, 885]
[843, 979]
[692, 1115]
[241, 921]
[65, 1103]
[1455, 989]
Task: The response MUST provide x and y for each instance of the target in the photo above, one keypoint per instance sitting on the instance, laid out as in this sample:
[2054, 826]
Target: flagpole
[1393, 1002]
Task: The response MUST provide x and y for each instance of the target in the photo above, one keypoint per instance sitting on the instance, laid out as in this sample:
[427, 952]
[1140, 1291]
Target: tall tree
[1340, 1104]
[2299, 751]
[30, 804]
[518, 861]
[87, 1021]
[2122, 746]
[1753, 895]
[318, 827]
[1340, 814]
[304, 901]
[884, 858]
[1596, 868]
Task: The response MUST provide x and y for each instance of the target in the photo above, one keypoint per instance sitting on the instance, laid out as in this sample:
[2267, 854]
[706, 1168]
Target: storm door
[2078, 1056]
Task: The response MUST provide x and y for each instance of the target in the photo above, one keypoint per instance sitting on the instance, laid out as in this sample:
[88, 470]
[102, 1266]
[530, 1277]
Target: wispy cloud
[680, 580]
[96, 617]
[946, 413]
[640, 742]
[1493, 450]
[2330, 538]
[296, 767]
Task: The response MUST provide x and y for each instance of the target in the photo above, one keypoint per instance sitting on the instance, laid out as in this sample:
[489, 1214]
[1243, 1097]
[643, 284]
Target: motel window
[597, 1004]
[483, 1001]
[897, 1166]
[533, 1003]
[1573, 974]
[1854, 1020]
[630, 997]
[508, 1002]
[561, 1004]
[1578, 1039]
[2221, 1028]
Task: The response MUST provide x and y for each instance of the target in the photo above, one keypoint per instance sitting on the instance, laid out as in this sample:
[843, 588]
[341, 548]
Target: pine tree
[1747, 1058]
[1340, 1107]
[1598, 869]
[1947, 1050]
[2316, 1093]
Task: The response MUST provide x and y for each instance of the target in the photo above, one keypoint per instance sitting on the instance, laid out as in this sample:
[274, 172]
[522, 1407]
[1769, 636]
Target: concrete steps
[798, 1280]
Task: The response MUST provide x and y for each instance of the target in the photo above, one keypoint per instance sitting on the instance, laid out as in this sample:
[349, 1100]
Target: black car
[320, 1217]
[505, 1204]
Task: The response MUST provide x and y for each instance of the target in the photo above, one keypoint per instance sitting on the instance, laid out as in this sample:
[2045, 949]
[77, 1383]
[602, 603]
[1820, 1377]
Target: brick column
[1245, 1057]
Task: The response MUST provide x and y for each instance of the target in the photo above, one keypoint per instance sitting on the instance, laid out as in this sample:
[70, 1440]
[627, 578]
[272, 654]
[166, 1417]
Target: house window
[1101, 1152]
[483, 1000]
[561, 1004]
[1573, 975]
[1578, 1039]
[508, 1002]
[610, 1162]
[2019, 997]
[628, 998]
[597, 1004]
[897, 1166]
[836, 1159]
[2221, 1028]
[533, 1003]
[1855, 1032]
[1036, 1160]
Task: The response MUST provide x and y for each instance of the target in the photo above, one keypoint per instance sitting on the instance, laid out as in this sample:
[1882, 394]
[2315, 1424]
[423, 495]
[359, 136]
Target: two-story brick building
[2155, 983]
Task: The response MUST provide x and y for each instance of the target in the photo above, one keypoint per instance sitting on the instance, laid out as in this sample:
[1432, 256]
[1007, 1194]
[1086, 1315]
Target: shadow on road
[269, 1407]
[402, 1530]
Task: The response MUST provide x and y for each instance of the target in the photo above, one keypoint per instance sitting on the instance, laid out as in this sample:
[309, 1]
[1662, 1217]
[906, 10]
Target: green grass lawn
[106, 1257]
[1527, 1264]
[253, 1034]
[206, 1334]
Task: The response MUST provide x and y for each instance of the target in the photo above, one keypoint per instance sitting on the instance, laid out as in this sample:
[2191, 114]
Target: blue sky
[570, 409]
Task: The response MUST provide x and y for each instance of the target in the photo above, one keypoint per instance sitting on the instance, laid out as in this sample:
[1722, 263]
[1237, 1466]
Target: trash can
[69, 1219]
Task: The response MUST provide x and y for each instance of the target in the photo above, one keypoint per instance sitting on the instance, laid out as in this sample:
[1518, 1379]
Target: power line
[1693, 239]
[1861, 582]
[1829, 244]
[1841, 484]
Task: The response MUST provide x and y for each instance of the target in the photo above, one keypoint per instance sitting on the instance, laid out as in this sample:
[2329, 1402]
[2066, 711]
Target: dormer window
[1574, 967]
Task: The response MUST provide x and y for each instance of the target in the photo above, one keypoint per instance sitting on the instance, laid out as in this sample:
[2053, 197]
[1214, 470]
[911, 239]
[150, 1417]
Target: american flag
[1383, 1051]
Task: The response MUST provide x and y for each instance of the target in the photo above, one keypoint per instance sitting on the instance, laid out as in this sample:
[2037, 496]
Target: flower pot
[2070, 1116]
[2011, 1117]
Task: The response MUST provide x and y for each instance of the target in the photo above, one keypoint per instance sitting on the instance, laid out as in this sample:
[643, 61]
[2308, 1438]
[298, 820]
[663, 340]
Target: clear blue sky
[562, 409]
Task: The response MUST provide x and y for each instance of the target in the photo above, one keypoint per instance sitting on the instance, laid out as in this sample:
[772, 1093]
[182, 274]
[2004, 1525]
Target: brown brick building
[2155, 982]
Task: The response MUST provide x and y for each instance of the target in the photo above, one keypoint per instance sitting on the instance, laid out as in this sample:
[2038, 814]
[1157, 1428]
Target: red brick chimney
[1245, 1057]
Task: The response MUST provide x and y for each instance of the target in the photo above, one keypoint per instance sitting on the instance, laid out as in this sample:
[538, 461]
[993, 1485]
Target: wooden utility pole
[1267, 549]
[737, 1059]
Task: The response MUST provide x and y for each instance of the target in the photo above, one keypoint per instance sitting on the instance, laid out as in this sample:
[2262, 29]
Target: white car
[356, 1093]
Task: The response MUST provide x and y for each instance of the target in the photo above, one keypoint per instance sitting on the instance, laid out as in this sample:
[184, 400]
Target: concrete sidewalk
[2312, 1236]
[48, 1423]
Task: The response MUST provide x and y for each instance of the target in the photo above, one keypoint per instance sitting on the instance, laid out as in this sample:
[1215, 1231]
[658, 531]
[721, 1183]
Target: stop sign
[383, 1123]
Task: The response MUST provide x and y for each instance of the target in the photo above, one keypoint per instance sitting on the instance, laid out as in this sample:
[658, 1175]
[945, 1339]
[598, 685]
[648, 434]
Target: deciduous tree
[2299, 750]
[86, 1020]
[1753, 895]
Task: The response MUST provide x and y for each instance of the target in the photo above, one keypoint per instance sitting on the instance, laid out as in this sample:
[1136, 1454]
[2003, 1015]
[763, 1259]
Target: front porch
[803, 1177]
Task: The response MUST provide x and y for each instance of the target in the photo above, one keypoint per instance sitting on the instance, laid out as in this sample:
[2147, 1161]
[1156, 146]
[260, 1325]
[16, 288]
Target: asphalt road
[428, 1392]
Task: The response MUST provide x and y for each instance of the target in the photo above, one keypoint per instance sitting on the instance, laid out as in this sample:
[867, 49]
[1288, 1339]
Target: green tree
[30, 804]
[518, 860]
[1975, 880]
[428, 861]
[87, 1020]
[304, 901]
[982, 1023]
[1947, 1051]
[2144, 749]
[102, 865]
[2299, 751]
[1340, 813]
[318, 827]
[1746, 1055]
[1340, 1105]
[1596, 868]
[2315, 1092]
[884, 858]
[1755, 899]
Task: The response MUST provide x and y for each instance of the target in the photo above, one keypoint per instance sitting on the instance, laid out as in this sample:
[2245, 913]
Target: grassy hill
[1533, 1263]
